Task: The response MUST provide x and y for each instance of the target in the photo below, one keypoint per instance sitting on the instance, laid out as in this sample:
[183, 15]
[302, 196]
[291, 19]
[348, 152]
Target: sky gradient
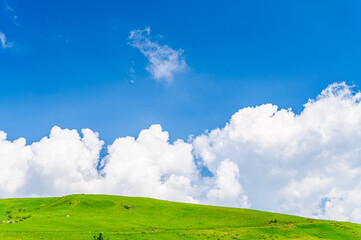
[70, 64]
[215, 103]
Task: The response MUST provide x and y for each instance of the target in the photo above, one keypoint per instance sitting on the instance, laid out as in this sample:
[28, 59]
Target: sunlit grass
[83, 216]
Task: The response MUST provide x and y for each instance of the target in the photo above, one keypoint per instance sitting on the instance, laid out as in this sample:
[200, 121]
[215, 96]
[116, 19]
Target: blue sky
[70, 62]
[223, 103]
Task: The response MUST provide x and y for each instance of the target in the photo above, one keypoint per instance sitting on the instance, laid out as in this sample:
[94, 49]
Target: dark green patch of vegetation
[15, 216]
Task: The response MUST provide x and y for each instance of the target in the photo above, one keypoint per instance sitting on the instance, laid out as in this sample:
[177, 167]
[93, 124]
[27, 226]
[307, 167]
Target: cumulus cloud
[164, 61]
[306, 164]
[4, 42]
[266, 158]
[227, 190]
[151, 166]
[64, 162]
[14, 160]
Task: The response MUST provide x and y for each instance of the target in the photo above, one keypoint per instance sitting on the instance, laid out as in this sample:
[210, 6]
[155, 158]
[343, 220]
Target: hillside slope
[83, 216]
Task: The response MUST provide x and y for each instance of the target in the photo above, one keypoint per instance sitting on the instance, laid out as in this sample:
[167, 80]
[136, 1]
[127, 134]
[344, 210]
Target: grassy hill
[83, 216]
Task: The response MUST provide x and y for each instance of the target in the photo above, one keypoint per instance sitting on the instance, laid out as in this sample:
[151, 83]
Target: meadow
[85, 216]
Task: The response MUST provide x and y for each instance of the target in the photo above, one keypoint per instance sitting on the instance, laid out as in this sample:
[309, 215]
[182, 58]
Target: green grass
[83, 216]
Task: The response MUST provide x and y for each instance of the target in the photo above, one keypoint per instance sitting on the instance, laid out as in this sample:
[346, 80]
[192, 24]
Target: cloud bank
[265, 158]
[163, 61]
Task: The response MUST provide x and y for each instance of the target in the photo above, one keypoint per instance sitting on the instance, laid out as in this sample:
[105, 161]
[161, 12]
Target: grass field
[83, 216]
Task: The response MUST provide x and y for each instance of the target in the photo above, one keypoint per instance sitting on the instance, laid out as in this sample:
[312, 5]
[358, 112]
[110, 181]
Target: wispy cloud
[9, 11]
[4, 42]
[59, 37]
[164, 61]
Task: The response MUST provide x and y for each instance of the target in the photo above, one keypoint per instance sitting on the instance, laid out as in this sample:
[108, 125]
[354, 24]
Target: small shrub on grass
[99, 238]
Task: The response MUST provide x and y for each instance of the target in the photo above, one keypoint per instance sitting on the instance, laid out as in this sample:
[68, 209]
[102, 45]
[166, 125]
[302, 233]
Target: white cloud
[227, 190]
[164, 61]
[14, 160]
[64, 162]
[4, 43]
[150, 166]
[305, 164]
